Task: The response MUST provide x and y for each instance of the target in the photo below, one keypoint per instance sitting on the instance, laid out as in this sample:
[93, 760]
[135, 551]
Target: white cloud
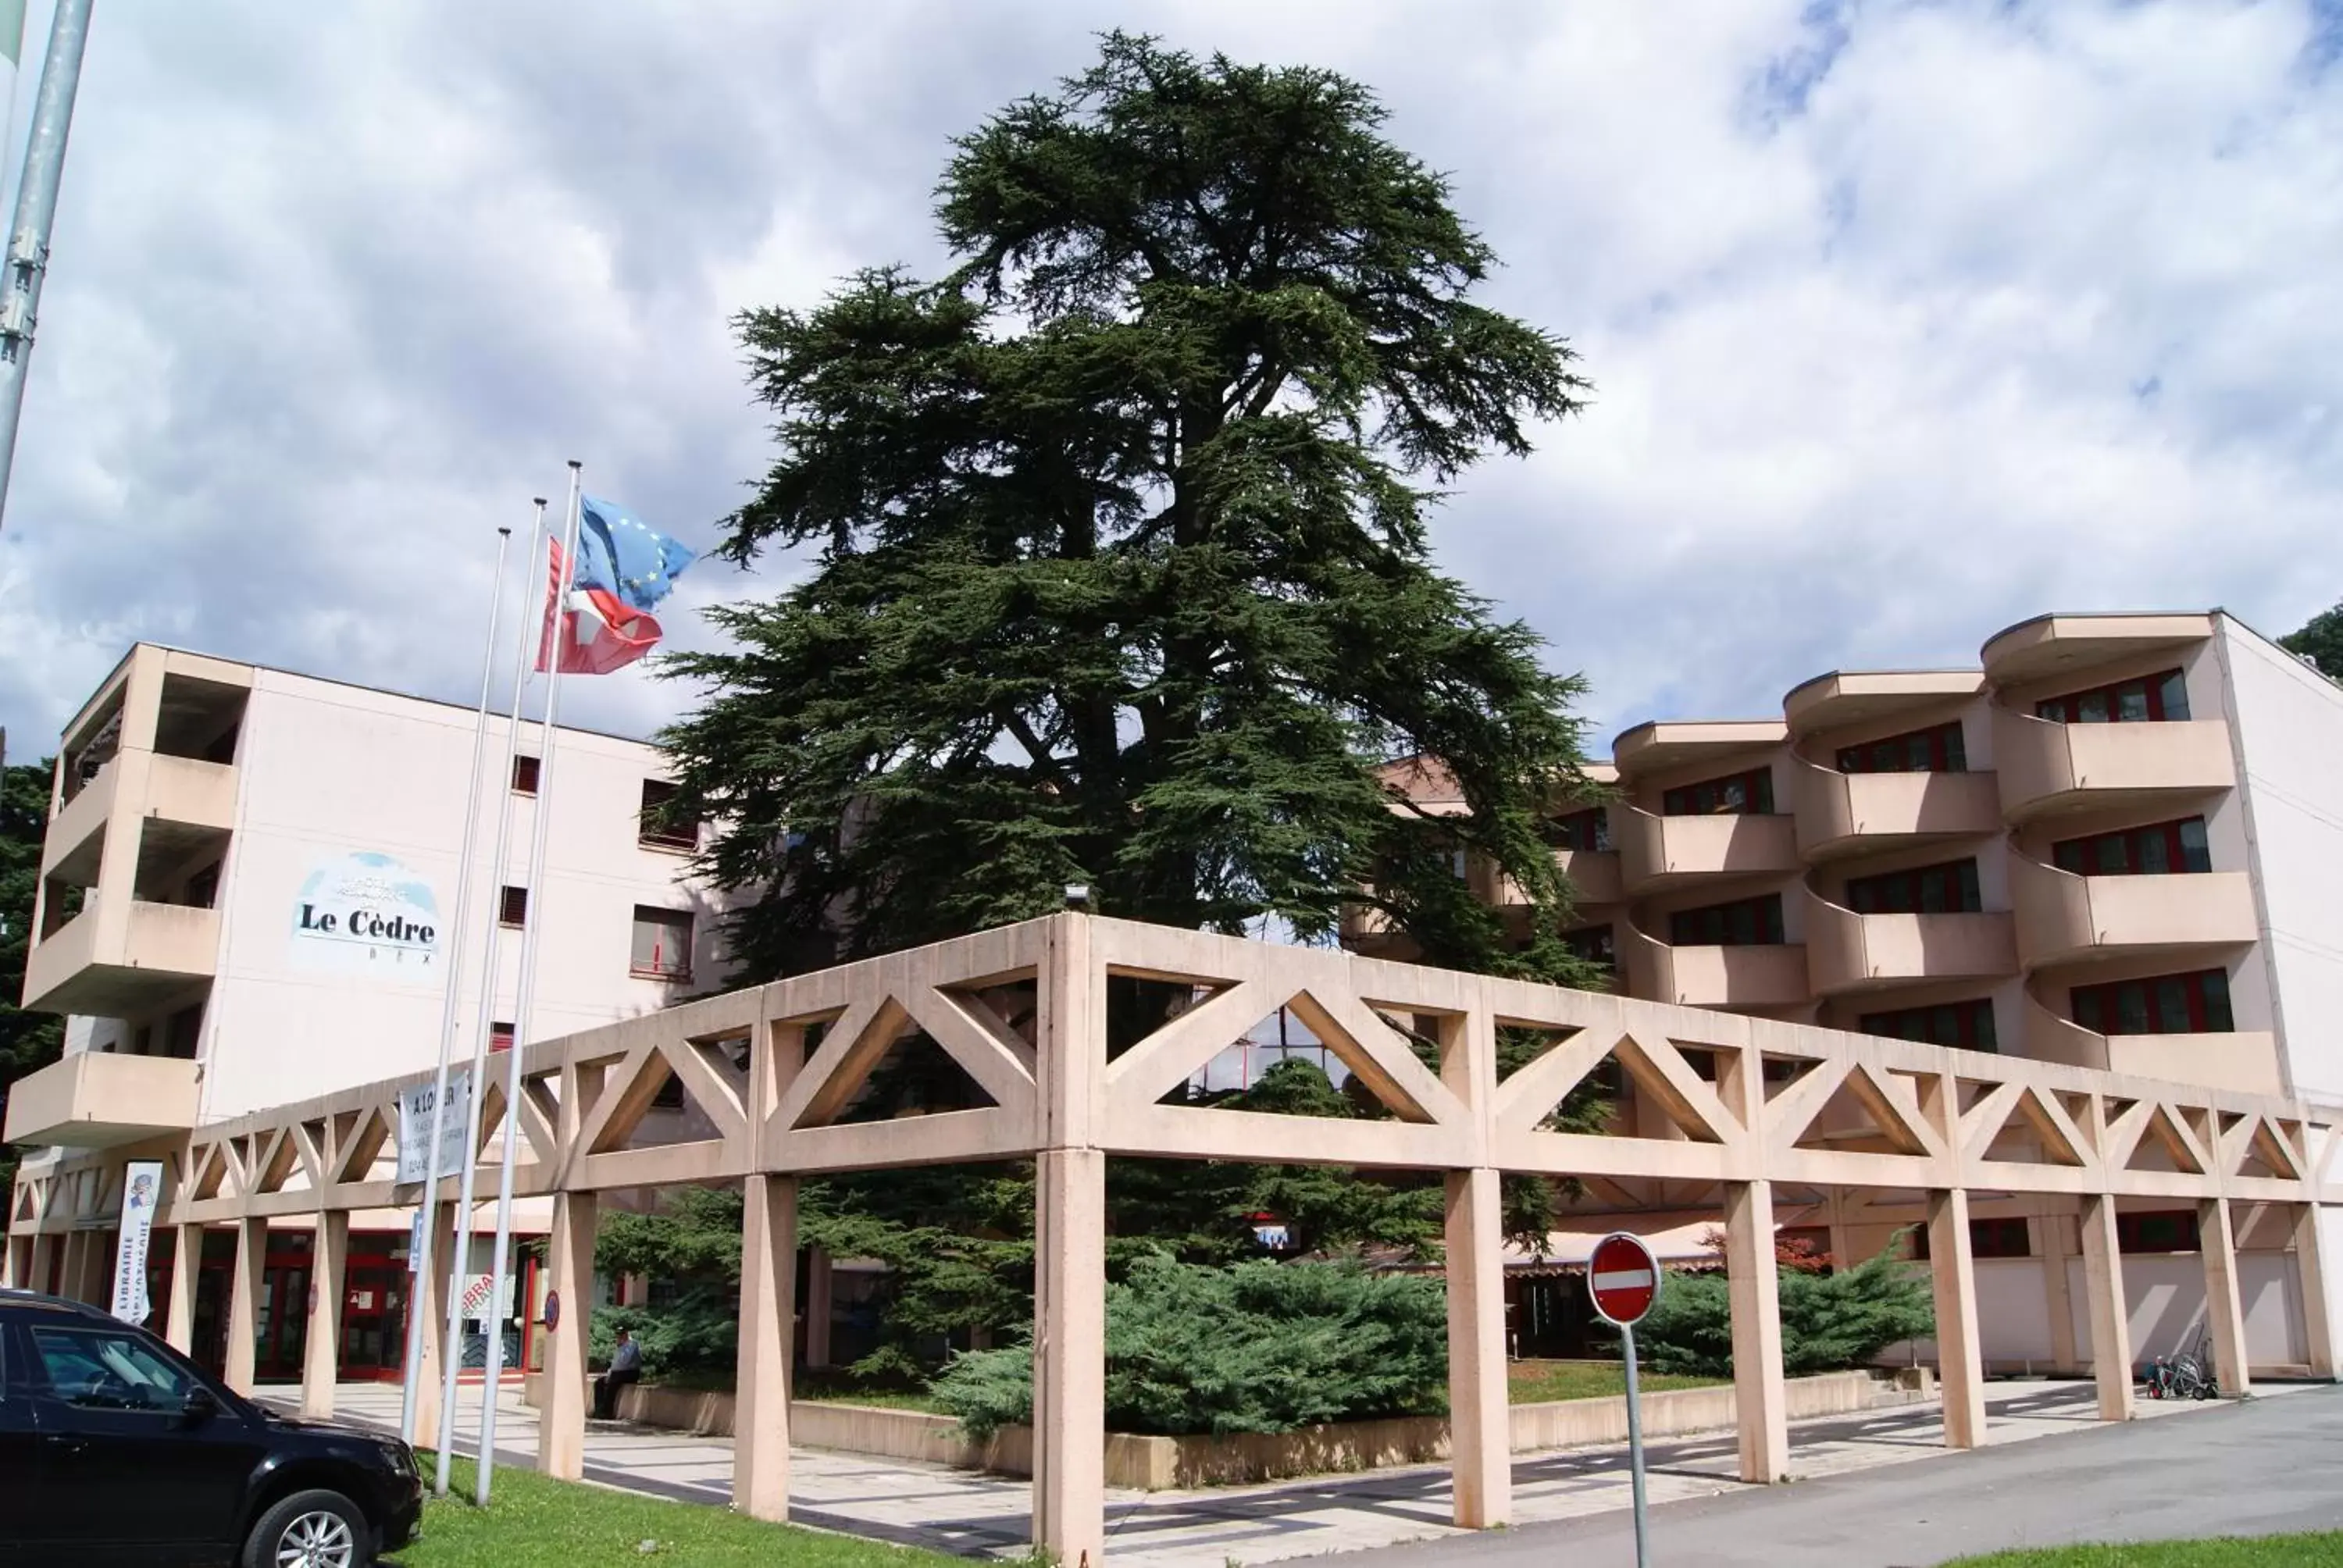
[1906, 321]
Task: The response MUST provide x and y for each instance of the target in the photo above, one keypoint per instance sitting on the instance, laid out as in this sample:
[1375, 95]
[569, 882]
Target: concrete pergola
[1735, 1106]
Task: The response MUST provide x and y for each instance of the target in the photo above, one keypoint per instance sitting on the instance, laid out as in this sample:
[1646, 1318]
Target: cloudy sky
[1906, 321]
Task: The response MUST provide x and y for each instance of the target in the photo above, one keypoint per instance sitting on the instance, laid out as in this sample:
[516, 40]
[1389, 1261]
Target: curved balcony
[1714, 977]
[1664, 851]
[1595, 875]
[2045, 767]
[2061, 916]
[2246, 1061]
[1847, 952]
[1844, 813]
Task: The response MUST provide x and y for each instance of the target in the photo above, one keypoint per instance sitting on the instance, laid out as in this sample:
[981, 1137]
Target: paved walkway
[973, 1515]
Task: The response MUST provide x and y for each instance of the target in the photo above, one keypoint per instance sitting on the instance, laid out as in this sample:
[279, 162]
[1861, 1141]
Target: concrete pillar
[1757, 1392]
[769, 1278]
[187, 1270]
[15, 1264]
[2110, 1314]
[1070, 1358]
[1959, 1362]
[73, 1282]
[2311, 1264]
[2225, 1316]
[427, 1294]
[569, 1272]
[321, 1344]
[819, 1304]
[245, 1283]
[45, 1264]
[2049, 1227]
[1480, 1415]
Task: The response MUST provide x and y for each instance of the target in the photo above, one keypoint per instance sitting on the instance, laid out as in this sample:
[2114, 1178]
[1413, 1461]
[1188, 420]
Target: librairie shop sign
[366, 914]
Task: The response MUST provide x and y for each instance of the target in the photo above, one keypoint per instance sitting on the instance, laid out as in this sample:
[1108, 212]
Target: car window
[100, 1369]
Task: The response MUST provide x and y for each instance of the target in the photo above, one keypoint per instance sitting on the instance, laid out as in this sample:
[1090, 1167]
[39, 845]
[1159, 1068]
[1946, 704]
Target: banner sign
[415, 1129]
[369, 915]
[477, 1289]
[142, 1189]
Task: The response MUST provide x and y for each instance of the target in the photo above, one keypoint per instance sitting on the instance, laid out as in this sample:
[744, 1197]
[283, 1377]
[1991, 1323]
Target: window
[1587, 829]
[1965, 1024]
[183, 1032]
[2161, 849]
[500, 1037]
[1744, 922]
[1595, 944]
[1939, 749]
[2196, 1003]
[1951, 887]
[662, 943]
[2159, 1231]
[1987, 1239]
[98, 1369]
[525, 775]
[1736, 795]
[658, 829]
[2150, 698]
[512, 906]
[202, 888]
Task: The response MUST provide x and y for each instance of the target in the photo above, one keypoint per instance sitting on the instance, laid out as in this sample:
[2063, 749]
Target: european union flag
[620, 554]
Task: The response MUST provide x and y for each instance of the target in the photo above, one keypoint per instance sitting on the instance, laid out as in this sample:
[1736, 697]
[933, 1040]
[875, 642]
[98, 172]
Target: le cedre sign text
[366, 914]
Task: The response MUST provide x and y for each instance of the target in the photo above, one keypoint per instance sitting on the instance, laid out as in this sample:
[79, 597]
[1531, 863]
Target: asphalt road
[2267, 1467]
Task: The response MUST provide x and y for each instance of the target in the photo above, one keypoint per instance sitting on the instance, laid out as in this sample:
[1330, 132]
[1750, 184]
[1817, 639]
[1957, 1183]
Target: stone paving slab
[973, 1515]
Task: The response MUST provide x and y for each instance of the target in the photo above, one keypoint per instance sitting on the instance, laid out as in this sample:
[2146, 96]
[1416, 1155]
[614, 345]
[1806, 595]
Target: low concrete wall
[1163, 1463]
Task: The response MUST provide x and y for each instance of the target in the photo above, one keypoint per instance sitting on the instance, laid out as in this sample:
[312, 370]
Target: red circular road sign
[1624, 1277]
[553, 1309]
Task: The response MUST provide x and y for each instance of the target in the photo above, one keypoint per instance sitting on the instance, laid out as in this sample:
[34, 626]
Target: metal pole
[36, 211]
[413, 1365]
[445, 1440]
[1635, 1447]
[530, 943]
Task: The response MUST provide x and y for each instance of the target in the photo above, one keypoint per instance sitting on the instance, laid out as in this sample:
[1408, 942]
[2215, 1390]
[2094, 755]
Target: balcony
[1847, 952]
[1663, 851]
[1773, 975]
[2045, 767]
[2062, 916]
[2244, 1061]
[96, 1101]
[122, 959]
[1593, 875]
[1844, 813]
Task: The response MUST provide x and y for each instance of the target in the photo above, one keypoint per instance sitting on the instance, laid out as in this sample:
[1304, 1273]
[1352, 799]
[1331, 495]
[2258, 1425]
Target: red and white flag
[595, 632]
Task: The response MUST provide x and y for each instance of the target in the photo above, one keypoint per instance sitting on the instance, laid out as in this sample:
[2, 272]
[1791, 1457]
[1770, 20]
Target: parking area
[973, 1515]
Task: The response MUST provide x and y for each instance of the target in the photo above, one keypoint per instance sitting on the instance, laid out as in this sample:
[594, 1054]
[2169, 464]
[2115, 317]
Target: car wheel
[311, 1530]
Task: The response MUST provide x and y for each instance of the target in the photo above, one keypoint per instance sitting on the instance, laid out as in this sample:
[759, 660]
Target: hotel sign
[366, 914]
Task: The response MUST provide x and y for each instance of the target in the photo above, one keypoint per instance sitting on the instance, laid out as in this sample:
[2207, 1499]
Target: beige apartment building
[247, 896]
[2113, 843]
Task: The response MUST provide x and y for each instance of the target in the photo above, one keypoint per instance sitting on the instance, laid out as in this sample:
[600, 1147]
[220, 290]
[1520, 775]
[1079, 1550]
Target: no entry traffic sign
[1625, 1278]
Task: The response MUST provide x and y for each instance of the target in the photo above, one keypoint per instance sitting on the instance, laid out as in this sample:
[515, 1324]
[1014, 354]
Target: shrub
[1830, 1321]
[698, 1332]
[1255, 1347]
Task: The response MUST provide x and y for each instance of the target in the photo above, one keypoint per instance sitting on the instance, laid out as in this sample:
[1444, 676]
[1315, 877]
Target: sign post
[1625, 1280]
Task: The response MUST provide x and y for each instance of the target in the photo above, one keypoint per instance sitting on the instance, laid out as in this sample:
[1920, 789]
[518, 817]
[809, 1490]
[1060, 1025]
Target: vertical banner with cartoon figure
[142, 1189]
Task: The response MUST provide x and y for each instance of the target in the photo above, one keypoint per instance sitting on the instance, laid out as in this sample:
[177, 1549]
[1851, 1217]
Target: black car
[116, 1448]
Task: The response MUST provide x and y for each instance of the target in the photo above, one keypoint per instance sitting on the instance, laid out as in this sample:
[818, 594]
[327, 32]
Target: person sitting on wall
[626, 1367]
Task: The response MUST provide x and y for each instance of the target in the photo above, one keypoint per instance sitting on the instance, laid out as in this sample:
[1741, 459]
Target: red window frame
[1967, 1025]
[512, 906]
[1588, 830]
[1952, 883]
[2163, 699]
[2197, 1002]
[524, 772]
[2126, 853]
[500, 1037]
[1988, 1237]
[1939, 749]
[653, 830]
[1716, 925]
[1711, 797]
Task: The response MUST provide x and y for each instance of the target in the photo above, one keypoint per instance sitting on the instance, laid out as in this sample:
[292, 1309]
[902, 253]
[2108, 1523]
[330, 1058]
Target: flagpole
[455, 974]
[531, 930]
[460, 1242]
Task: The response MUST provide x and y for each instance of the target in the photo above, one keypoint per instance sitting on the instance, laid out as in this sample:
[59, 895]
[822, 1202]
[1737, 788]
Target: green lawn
[534, 1523]
[1537, 1383]
[2271, 1552]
